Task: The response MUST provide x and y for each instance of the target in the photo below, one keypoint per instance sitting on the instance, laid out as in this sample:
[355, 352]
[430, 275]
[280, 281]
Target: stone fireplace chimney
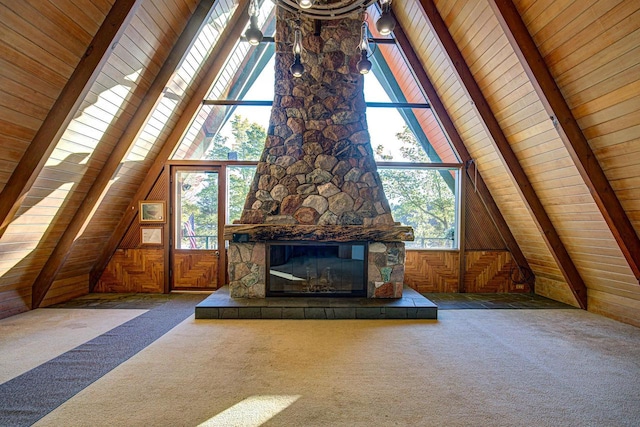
[317, 179]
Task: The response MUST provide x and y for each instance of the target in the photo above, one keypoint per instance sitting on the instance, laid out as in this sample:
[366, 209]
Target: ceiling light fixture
[305, 4]
[324, 10]
[386, 23]
[253, 33]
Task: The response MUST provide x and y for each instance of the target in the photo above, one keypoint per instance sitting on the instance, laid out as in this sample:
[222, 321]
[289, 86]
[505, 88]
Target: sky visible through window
[383, 123]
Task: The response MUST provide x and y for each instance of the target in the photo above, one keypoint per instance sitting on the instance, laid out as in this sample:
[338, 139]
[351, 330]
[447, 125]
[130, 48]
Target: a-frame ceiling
[543, 96]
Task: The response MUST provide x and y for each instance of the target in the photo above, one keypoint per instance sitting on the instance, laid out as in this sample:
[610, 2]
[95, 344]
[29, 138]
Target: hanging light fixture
[253, 33]
[297, 69]
[305, 4]
[364, 65]
[385, 24]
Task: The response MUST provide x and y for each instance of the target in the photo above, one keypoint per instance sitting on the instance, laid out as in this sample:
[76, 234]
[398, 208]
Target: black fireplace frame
[354, 294]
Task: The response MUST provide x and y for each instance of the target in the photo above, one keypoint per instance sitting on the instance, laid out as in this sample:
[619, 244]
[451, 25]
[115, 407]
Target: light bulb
[297, 43]
[297, 69]
[385, 24]
[364, 65]
[364, 40]
[253, 33]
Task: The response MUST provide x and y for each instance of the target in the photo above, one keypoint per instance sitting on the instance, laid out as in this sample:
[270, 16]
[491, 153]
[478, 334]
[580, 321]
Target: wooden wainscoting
[134, 270]
[195, 269]
[489, 272]
[432, 271]
[437, 271]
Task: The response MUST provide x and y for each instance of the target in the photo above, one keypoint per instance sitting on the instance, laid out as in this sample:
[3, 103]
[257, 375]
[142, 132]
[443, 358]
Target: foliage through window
[197, 209]
[424, 198]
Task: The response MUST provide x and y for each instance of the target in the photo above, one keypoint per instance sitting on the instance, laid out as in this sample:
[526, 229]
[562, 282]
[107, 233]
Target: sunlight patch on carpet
[251, 412]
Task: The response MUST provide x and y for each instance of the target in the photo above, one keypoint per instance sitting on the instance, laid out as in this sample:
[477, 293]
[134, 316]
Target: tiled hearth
[220, 305]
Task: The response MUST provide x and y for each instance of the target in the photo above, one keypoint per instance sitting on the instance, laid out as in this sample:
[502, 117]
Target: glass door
[197, 228]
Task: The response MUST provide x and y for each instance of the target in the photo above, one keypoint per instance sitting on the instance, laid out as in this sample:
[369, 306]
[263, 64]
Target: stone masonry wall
[318, 166]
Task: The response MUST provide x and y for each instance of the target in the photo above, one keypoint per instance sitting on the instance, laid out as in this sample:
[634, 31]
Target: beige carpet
[469, 368]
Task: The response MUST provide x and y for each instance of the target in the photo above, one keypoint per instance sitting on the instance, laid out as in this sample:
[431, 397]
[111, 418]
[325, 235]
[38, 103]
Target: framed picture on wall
[152, 211]
[151, 235]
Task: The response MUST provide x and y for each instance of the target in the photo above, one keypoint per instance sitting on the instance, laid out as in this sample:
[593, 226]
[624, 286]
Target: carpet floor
[544, 367]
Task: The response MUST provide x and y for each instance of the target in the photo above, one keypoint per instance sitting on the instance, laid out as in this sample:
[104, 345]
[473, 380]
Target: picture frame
[151, 235]
[152, 211]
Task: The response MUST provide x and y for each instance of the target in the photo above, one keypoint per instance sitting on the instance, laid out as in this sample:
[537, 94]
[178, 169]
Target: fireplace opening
[316, 269]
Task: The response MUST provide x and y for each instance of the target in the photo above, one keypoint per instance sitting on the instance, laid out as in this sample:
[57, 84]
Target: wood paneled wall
[128, 76]
[122, 273]
[485, 272]
[432, 271]
[134, 270]
[41, 43]
[591, 50]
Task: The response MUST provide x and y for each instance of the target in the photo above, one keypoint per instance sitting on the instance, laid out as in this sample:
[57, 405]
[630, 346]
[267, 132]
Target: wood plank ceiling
[81, 82]
[536, 143]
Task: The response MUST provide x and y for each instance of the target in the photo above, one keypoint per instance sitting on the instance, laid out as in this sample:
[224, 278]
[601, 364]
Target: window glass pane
[238, 183]
[196, 210]
[425, 199]
[242, 137]
[408, 135]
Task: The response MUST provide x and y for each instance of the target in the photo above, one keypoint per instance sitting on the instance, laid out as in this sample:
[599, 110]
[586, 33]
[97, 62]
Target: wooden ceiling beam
[508, 157]
[215, 62]
[63, 110]
[101, 184]
[569, 131]
[443, 117]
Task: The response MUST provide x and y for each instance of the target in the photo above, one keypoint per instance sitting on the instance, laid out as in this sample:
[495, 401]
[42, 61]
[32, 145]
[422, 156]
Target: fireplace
[316, 221]
[330, 269]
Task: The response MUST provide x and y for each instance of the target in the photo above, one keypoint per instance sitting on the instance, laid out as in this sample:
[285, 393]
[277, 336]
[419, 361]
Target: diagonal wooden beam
[508, 157]
[100, 185]
[63, 110]
[445, 120]
[569, 130]
[215, 62]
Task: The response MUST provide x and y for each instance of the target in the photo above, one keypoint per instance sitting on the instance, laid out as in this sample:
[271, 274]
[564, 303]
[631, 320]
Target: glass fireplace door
[316, 269]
